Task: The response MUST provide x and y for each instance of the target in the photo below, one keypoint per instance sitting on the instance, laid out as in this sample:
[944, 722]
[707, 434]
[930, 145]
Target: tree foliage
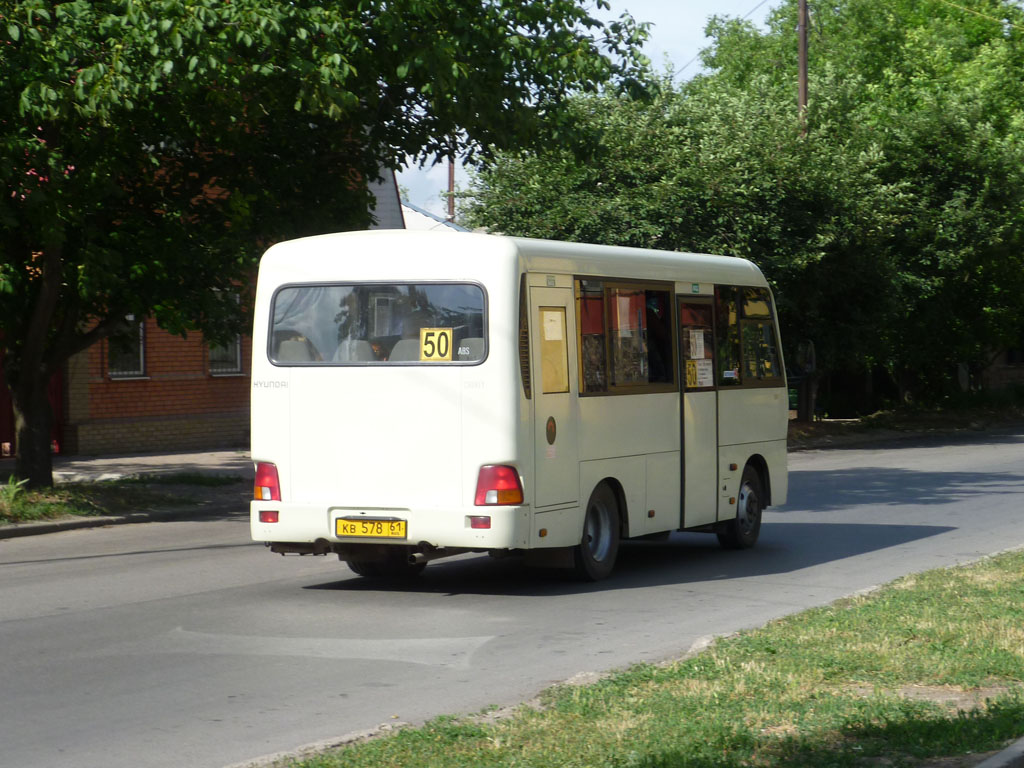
[149, 149]
[890, 220]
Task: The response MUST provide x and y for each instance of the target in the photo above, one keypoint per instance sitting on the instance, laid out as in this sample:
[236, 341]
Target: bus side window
[660, 366]
[626, 339]
[760, 351]
[727, 331]
[697, 342]
[554, 351]
[590, 310]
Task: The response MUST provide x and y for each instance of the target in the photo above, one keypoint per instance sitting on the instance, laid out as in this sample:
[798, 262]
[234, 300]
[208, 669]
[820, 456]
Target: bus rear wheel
[742, 531]
[394, 567]
[594, 557]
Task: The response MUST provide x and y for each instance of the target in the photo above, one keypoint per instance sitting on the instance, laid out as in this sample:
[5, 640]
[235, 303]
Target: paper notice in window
[696, 344]
[705, 373]
[552, 326]
[699, 374]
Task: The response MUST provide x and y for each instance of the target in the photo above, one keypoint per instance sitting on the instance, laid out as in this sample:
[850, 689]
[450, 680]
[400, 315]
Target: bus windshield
[378, 323]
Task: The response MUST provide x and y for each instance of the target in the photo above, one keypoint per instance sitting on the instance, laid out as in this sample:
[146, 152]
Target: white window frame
[135, 372]
[225, 367]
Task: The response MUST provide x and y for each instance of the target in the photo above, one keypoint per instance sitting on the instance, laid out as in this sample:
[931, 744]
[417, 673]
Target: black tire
[742, 531]
[394, 567]
[594, 557]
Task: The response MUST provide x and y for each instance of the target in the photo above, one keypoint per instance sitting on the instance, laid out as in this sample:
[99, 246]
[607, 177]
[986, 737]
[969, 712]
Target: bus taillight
[498, 484]
[267, 486]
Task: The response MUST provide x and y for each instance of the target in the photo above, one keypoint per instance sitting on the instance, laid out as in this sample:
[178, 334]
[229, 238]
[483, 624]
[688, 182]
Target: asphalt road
[182, 644]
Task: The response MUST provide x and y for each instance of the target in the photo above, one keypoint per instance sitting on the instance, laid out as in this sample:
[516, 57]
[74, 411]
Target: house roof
[417, 218]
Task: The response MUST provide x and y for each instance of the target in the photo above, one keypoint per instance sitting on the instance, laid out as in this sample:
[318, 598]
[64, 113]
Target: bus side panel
[628, 425]
[700, 452]
[631, 473]
[778, 468]
[662, 494]
[561, 527]
[491, 415]
[752, 422]
[752, 415]
[774, 454]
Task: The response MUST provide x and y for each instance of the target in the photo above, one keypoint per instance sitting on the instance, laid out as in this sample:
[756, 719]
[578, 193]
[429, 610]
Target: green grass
[109, 497]
[928, 667]
[182, 478]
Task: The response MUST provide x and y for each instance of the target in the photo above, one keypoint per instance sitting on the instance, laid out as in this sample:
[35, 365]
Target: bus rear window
[378, 323]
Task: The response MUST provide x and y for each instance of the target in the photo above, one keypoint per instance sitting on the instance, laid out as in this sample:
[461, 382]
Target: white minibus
[417, 395]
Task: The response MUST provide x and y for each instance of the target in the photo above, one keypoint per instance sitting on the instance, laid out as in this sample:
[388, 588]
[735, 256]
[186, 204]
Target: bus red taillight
[267, 486]
[498, 484]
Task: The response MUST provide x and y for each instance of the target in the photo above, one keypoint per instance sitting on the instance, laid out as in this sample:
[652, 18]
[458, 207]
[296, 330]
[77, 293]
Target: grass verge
[108, 497]
[903, 422]
[926, 669]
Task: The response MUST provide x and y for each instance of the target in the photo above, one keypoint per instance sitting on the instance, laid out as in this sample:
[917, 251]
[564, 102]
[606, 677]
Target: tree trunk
[32, 419]
[807, 402]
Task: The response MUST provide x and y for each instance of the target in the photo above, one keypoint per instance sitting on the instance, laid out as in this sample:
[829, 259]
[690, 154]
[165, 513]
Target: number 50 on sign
[435, 344]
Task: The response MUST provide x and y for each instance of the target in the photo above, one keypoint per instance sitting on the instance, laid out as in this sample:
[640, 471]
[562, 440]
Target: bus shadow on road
[784, 547]
[833, 489]
[683, 559]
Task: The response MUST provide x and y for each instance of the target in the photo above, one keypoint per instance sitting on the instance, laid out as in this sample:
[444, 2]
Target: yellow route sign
[435, 344]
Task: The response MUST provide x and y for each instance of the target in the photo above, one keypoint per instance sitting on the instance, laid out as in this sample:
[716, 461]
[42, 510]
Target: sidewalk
[77, 469]
[231, 499]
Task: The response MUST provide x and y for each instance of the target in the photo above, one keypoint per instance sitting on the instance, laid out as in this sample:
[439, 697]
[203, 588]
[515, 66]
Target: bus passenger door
[553, 352]
[699, 412]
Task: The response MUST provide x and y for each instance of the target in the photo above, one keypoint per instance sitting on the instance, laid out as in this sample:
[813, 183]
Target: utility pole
[451, 188]
[801, 29]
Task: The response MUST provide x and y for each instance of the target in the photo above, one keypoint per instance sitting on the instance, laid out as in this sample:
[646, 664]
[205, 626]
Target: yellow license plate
[370, 528]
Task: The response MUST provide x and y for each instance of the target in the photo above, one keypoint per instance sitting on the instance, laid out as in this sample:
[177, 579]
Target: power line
[746, 15]
[979, 13]
[1006, 22]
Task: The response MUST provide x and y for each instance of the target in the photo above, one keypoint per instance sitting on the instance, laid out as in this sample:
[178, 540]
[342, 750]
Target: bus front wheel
[742, 531]
[594, 556]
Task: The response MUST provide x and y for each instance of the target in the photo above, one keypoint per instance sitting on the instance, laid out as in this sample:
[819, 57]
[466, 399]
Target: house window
[226, 359]
[126, 351]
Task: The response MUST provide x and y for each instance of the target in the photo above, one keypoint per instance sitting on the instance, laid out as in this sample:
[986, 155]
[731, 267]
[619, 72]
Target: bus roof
[407, 250]
[615, 260]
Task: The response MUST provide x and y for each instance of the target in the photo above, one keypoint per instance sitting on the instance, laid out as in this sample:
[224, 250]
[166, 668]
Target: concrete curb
[18, 530]
[1011, 757]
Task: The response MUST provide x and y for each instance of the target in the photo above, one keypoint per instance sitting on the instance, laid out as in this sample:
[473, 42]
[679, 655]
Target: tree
[716, 170]
[149, 149]
[890, 221]
[931, 90]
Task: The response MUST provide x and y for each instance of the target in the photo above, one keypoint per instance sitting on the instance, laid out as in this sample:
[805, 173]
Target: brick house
[148, 390]
[181, 395]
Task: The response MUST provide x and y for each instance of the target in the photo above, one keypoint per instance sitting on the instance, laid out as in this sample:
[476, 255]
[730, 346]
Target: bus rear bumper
[313, 529]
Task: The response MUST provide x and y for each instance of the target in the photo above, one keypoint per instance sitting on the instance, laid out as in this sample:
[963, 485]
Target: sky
[677, 32]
